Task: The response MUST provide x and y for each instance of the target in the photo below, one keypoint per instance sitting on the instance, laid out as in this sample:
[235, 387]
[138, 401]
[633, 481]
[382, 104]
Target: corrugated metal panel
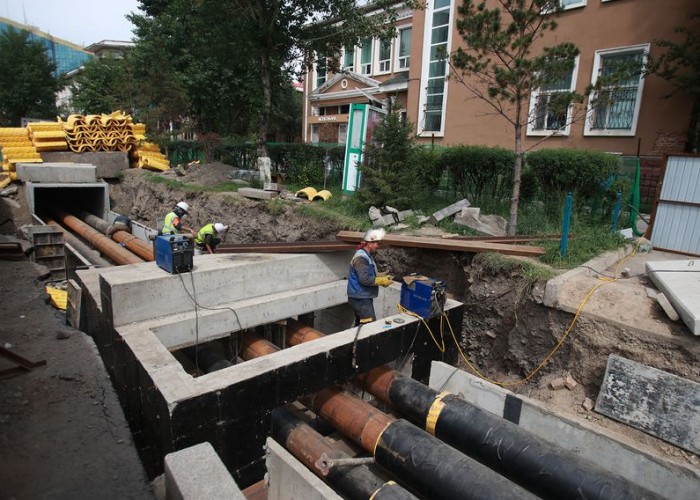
[677, 220]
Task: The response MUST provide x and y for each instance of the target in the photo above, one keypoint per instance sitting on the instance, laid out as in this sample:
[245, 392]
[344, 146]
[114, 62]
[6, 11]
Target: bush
[578, 171]
[479, 171]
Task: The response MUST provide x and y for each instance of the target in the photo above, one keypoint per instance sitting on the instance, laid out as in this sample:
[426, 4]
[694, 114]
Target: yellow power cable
[605, 280]
[403, 310]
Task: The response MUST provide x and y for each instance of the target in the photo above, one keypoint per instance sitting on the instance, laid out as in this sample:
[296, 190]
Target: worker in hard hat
[364, 280]
[209, 237]
[173, 220]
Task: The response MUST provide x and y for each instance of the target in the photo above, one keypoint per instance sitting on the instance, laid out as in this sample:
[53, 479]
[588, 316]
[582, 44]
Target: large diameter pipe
[85, 251]
[545, 469]
[109, 248]
[435, 469]
[124, 238]
[356, 482]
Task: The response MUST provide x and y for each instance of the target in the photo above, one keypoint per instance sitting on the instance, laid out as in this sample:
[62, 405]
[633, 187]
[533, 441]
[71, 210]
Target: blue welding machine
[424, 297]
[174, 252]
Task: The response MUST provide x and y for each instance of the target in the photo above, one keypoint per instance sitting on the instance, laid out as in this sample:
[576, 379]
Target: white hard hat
[219, 227]
[183, 206]
[374, 235]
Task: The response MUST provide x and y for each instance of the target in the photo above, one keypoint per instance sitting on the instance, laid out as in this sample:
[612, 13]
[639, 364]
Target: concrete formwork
[146, 313]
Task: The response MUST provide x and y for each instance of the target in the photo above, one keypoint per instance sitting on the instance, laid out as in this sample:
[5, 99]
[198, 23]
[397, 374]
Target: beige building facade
[410, 74]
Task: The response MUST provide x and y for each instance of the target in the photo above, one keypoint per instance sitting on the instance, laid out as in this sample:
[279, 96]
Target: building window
[433, 98]
[614, 109]
[403, 57]
[384, 58]
[320, 71]
[571, 4]
[366, 57]
[349, 59]
[550, 110]
[315, 133]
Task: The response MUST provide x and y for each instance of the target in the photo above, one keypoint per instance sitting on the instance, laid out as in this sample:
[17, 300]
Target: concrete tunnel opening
[45, 198]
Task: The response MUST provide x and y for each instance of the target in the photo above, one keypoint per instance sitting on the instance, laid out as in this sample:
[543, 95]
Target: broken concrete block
[374, 213]
[490, 225]
[667, 307]
[270, 186]
[587, 404]
[450, 210]
[9, 191]
[570, 383]
[557, 384]
[491, 334]
[651, 293]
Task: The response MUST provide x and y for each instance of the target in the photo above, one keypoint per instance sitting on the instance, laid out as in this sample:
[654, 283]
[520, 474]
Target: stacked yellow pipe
[148, 156]
[111, 132]
[16, 147]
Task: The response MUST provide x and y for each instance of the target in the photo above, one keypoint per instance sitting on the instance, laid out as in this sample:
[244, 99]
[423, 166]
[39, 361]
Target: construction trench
[247, 375]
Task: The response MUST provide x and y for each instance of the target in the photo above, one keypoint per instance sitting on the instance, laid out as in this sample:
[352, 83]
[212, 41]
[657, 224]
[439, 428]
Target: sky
[79, 21]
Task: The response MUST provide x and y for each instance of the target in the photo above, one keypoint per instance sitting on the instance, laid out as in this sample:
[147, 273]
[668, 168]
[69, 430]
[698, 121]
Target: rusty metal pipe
[87, 252]
[124, 238]
[109, 248]
[391, 442]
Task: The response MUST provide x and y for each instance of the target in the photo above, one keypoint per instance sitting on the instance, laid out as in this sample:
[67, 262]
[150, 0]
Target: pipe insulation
[433, 468]
[124, 238]
[543, 468]
[107, 247]
[356, 482]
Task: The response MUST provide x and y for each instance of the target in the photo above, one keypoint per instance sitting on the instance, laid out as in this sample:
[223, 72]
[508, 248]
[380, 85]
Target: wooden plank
[653, 401]
[444, 244]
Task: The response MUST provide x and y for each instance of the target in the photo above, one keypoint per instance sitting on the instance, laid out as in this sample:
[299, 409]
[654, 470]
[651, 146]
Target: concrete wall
[108, 164]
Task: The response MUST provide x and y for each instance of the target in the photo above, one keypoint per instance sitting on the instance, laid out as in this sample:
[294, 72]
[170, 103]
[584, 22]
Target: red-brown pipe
[109, 248]
[124, 238]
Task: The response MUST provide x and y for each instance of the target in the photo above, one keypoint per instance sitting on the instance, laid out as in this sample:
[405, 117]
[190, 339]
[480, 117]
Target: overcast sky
[79, 21]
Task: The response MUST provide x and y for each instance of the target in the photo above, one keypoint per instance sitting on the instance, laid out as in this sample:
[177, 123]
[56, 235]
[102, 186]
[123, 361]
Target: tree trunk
[517, 173]
[263, 158]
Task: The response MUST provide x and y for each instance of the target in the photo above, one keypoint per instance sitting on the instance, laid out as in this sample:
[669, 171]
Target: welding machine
[424, 297]
[174, 252]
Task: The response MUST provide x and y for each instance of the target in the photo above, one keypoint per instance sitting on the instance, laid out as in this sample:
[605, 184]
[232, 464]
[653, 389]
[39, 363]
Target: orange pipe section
[360, 421]
[109, 248]
[139, 247]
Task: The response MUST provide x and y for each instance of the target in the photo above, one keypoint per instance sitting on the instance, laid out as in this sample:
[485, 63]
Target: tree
[502, 69]
[27, 84]
[680, 65]
[104, 86]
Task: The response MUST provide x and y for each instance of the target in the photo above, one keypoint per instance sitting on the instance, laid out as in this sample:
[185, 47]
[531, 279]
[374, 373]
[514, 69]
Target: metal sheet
[677, 220]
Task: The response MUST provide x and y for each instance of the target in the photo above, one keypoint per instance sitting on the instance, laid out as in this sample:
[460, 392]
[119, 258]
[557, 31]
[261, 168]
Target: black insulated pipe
[357, 482]
[440, 472]
[549, 471]
[206, 358]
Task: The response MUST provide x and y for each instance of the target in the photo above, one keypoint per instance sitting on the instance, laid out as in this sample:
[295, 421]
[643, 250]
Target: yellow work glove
[383, 281]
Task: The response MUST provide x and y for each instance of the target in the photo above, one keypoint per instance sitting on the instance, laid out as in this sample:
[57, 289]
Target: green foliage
[582, 172]
[275, 207]
[184, 151]
[532, 271]
[479, 172]
[104, 86]
[389, 166]
[27, 84]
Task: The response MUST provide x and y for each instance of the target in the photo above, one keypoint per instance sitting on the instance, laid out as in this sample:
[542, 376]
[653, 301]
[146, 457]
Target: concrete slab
[144, 291]
[108, 164]
[258, 194]
[198, 472]
[658, 475]
[656, 402]
[289, 478]
[679, 280]
[56, 172]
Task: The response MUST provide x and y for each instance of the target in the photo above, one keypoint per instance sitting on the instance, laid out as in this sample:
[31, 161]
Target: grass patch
[176, 184]
[532, 271]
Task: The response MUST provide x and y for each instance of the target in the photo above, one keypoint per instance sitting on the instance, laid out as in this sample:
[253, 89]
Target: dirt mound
[206, 174]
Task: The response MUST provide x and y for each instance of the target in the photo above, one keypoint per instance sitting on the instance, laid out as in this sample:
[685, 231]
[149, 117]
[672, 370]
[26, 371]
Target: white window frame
[599, 54]
[368, 65]
[425, 70]
[577, 5]
[534, 95]
[316, 76]
[348, 68]
[382, 67]
[403, 63]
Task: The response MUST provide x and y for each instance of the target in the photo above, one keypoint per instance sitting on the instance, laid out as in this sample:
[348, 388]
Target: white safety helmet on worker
[219, 227]
[184, 206]
[374, 235]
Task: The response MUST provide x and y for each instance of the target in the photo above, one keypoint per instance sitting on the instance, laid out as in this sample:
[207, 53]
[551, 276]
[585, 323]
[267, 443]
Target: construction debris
[667, 307]
[491, 225]
[447, 211]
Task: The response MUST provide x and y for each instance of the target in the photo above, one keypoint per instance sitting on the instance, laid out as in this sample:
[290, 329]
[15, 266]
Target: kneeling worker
[209, 237]
[121, 223]
[173, 220]
[364, 280]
